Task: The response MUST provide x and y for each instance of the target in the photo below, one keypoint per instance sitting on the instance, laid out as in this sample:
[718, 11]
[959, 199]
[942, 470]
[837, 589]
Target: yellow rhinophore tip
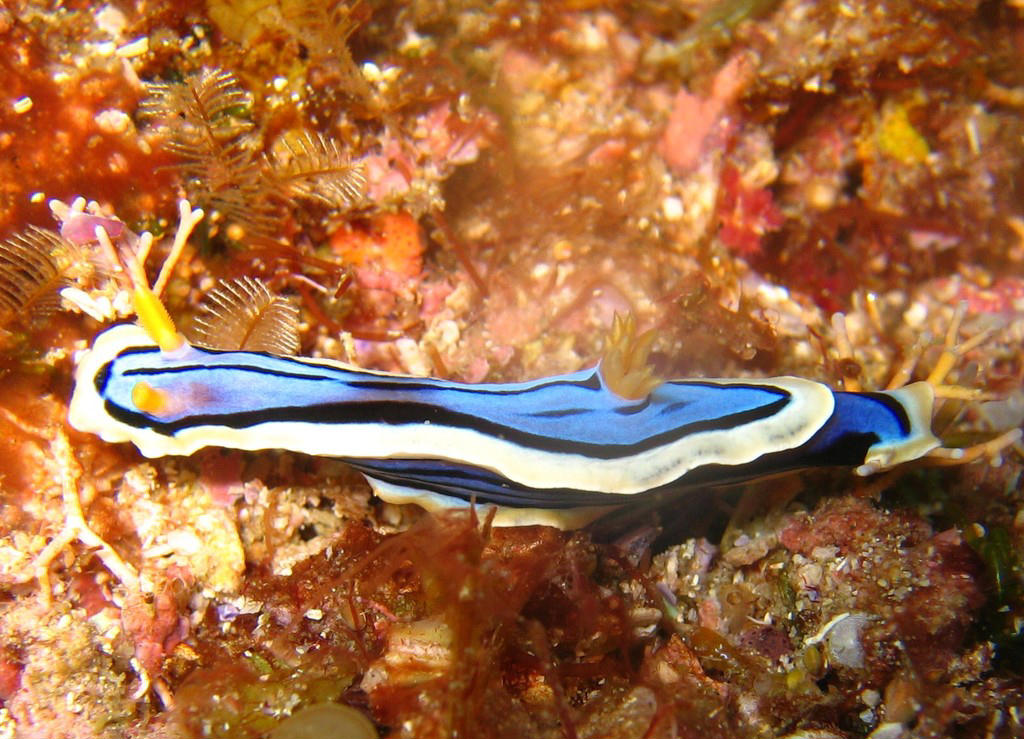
[149, 399]
[155, 319]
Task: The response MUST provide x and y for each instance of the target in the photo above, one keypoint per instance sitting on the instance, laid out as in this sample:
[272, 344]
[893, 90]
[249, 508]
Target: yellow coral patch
[897, 138]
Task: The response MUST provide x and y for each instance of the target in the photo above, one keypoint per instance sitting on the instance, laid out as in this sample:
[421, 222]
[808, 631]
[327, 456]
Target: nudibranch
[557, 451]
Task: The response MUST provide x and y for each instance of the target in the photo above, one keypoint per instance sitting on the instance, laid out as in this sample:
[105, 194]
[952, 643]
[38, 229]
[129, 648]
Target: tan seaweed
[33, 269]
[219, 150]
[242, 314]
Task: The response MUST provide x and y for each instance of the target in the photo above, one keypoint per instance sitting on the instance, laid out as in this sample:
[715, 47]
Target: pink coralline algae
[1004, 295]
[698, 124]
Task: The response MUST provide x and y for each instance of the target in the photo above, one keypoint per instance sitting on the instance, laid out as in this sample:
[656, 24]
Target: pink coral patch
[697, 124]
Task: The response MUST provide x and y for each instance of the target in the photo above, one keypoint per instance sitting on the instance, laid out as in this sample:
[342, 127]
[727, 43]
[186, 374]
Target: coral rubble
[475, 191]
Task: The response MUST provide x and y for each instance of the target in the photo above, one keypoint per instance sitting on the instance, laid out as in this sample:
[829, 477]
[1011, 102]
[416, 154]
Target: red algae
[84, 116]
[476, 192]
[747, 214]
